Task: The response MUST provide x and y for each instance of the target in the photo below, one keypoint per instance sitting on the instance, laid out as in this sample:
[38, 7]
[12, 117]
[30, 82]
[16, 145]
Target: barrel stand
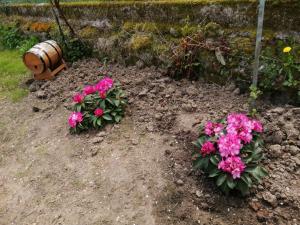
[49, 74]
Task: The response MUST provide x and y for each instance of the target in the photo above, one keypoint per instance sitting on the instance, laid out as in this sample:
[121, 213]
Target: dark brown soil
[137, 172]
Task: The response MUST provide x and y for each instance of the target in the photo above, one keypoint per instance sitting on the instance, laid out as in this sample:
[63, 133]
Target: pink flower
[257, 126]
[233, 165]
[105, 84]
[78, 98]
[229, 145]
[98, 112]
[89, 90]
[213, 128]
[239, 124]
[75, 117]
[102, 94]
[207, 148]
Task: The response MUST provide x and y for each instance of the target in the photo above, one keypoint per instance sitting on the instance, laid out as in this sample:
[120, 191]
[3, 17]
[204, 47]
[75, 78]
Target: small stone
[275, 150]
[263, 215]
[276, 138]
[204, 205]
[294, 150]
[134, 141]
[179, 182]
[35, 109]
[270, 198]
[41, 94]
[143, 93]
[167, 152]
[101, 134]
[94, 152]
[33, 87]
[296, 110]
[255, 205]
[236, 91]
[230, 87]
[158, 116]
[97, 140]
[277, 110]
[198, 194]
[297, 160]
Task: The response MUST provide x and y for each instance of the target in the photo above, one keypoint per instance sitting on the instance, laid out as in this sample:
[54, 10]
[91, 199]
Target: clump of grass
[12, 72]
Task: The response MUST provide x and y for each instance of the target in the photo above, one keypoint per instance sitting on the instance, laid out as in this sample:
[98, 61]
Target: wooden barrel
[42, 56]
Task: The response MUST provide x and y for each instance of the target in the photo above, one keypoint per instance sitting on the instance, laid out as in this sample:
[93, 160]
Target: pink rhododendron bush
[97, 105]
[230, 151]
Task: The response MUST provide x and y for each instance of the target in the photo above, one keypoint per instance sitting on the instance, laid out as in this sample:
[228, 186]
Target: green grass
[12, 72]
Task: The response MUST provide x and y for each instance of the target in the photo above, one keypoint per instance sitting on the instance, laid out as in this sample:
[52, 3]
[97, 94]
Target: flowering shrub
[230, 151]
[281, 72]
[97, 105]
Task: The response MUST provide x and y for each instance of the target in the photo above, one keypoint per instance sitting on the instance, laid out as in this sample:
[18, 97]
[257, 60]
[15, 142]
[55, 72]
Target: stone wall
[280, 15]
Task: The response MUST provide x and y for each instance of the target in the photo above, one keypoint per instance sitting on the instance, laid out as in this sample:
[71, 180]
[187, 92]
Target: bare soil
[139, 171]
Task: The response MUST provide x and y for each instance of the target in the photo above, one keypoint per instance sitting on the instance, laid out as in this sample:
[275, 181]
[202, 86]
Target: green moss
[139, 42]
[242, 44]
[146, 27]
[89, 32]
[213, 29]
[128, 26]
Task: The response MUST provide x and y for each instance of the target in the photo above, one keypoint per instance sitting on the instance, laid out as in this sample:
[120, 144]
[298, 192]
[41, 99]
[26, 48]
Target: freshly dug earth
[139, 171]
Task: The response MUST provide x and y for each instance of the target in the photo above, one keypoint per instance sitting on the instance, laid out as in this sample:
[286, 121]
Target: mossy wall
[282, 15]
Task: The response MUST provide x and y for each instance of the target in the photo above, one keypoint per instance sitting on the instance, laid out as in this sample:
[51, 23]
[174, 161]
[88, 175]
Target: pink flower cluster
[229, 145]
[102, 87]
[238, 132]
[213, 128]
[75, 118]
[233, 165]
[98, 112]
[78, 98]
[207, 148]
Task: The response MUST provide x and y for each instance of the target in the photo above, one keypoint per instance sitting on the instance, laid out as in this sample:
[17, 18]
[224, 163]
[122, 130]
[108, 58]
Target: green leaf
[99, 122]
[243, 187]
[102, 104]
[198, 163]
[214, 159]
[94, 122]
[110, 101]
[107, 117]
[118, 118]
[230, 182]
[246, 178]
[214, 173]
[116, 102]
[201, 140]
[263, 172]
[224, 188]
[205, 163]
[78, 107]
[221, 179]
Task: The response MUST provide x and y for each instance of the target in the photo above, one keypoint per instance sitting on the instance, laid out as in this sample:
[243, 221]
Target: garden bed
[139, 171]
